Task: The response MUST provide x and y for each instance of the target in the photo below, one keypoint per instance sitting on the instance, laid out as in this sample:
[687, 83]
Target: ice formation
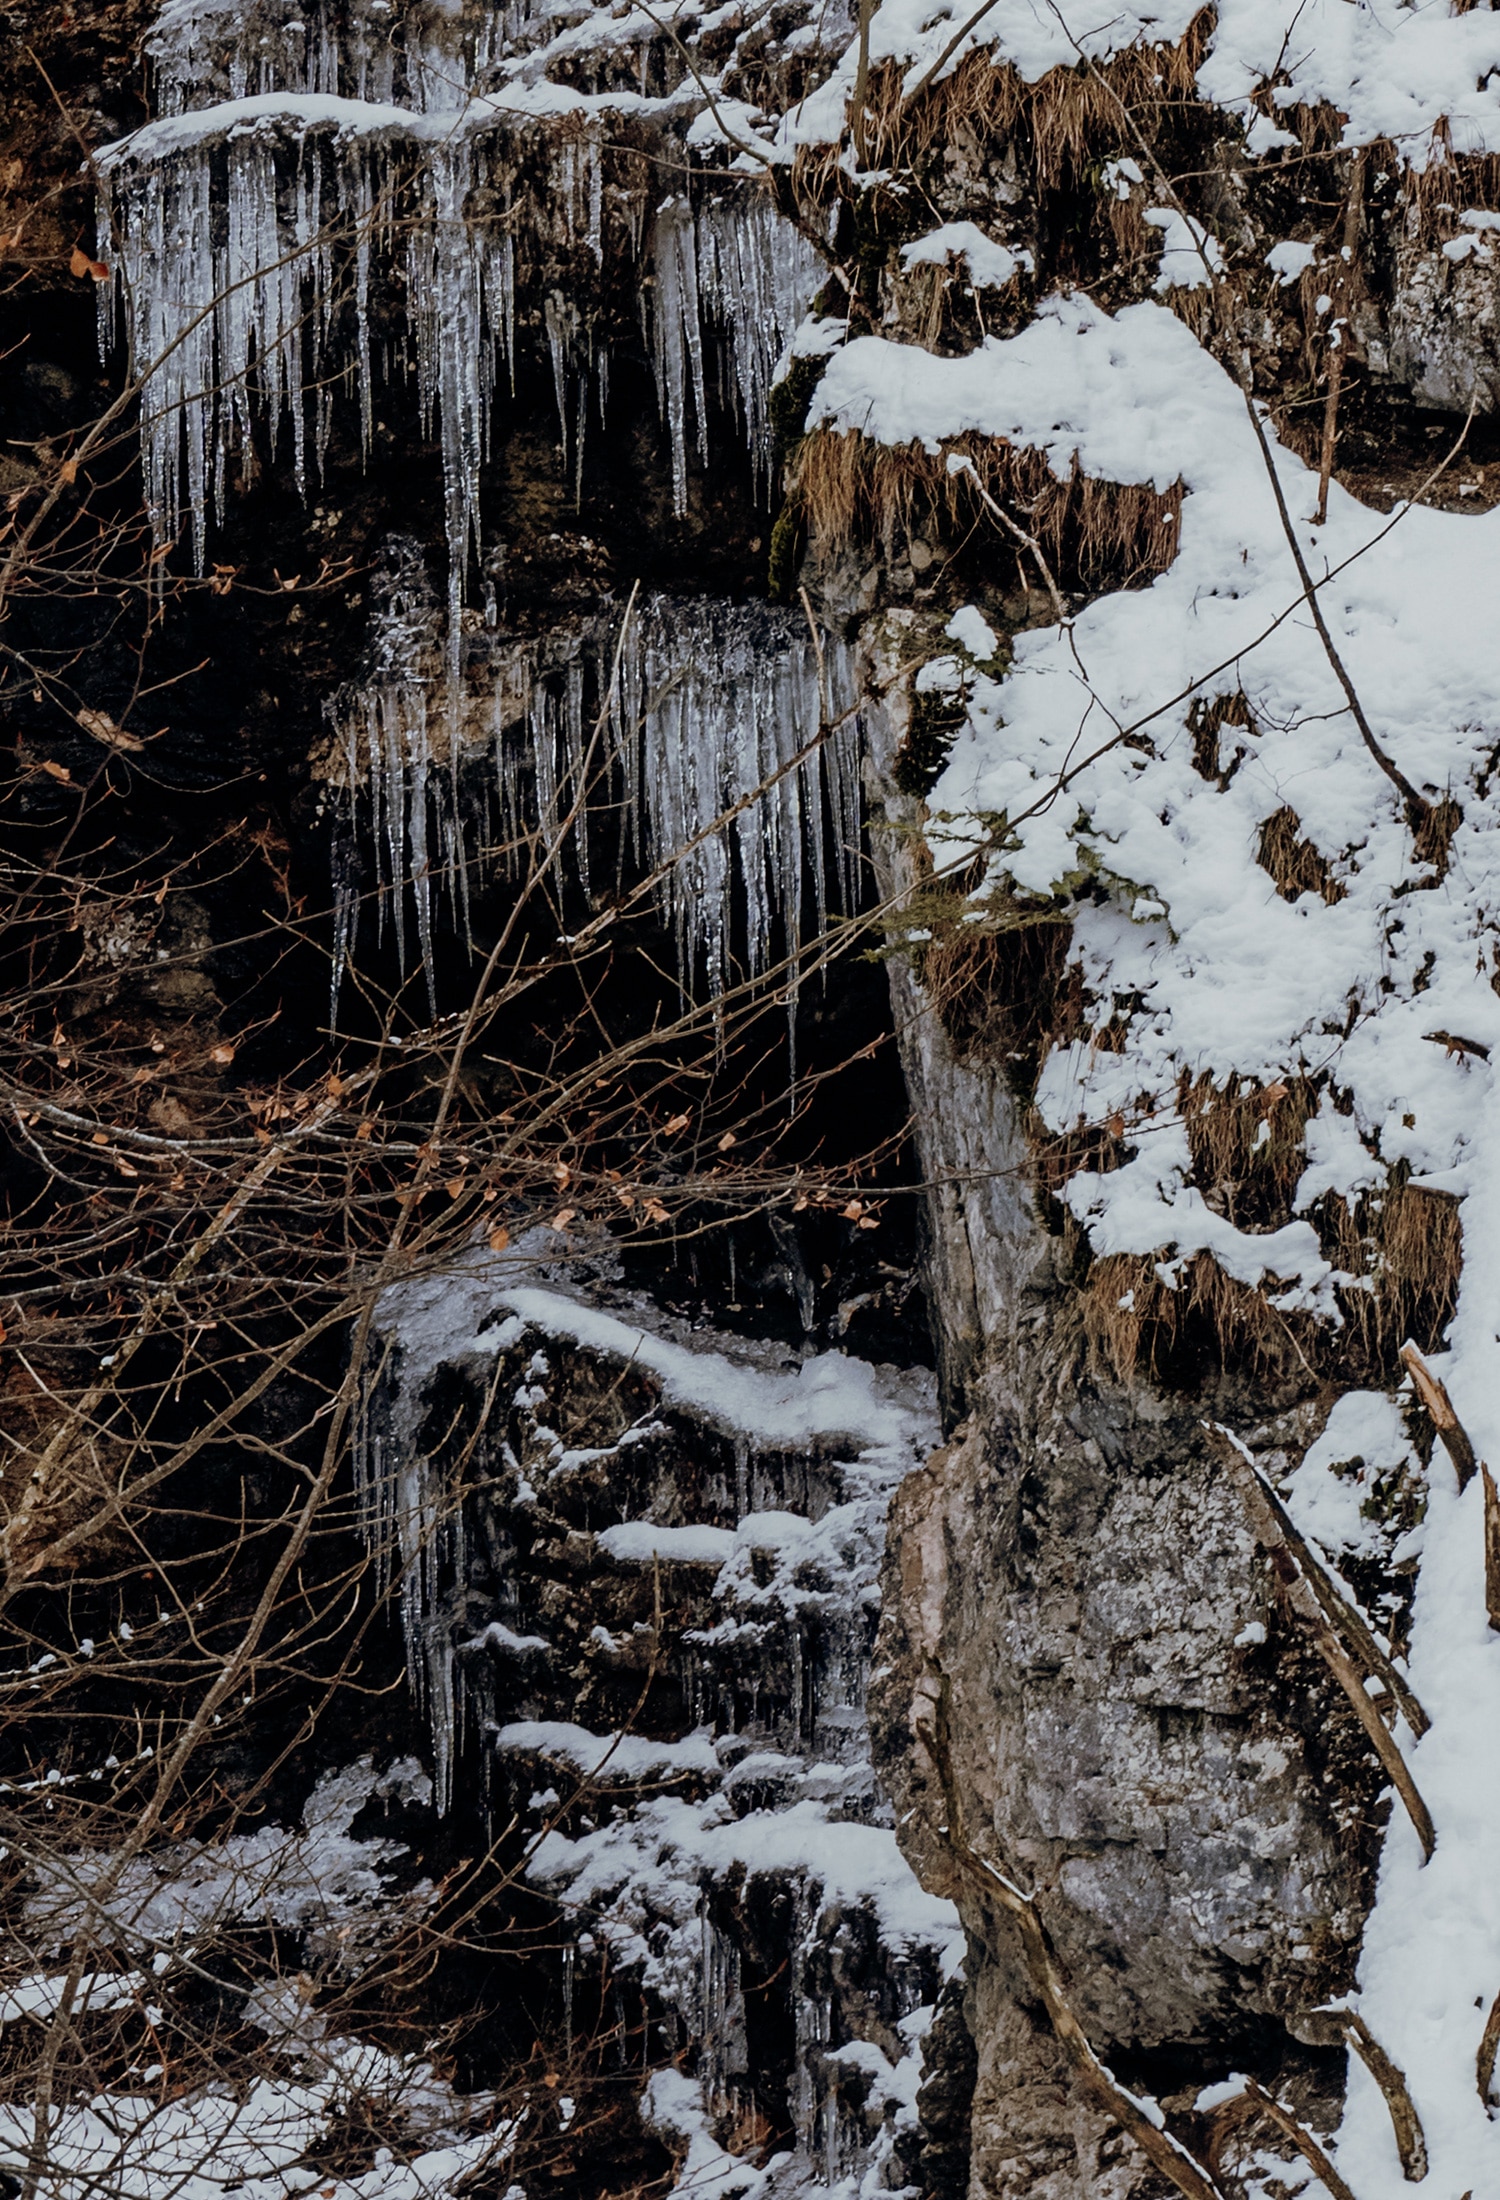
[759, 1788]
[712, 700]
[246, 236]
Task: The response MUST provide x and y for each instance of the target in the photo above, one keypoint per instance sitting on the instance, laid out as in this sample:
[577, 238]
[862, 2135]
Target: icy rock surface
[698, 1553]
[337, 1903]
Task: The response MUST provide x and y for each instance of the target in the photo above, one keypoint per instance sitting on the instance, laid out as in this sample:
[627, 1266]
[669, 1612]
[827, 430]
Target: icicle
[713, 700]
[677, 340]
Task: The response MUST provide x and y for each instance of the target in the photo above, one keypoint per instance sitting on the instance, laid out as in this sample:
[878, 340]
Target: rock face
[643, 1619]
[1071, 1585]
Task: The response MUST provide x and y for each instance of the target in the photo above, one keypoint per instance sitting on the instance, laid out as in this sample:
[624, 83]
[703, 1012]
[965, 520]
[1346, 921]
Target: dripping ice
[712, 700]
[244, 233]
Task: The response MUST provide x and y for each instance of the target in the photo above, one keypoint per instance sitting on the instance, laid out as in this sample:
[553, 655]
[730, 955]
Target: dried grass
[1101, 533]
[1068, 115]
[1005, 996]
[1406, 1244]
[1134, 1321]
[1295, 865]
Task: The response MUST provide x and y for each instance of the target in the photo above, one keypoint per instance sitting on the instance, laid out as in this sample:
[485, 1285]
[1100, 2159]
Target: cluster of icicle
[206, 51]
[417, 1535]
[710, 701]
[245, 240]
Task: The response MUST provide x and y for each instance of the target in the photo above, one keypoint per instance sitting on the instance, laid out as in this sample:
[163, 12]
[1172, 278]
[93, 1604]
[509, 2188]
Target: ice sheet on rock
[244, 234]
[320, 1880]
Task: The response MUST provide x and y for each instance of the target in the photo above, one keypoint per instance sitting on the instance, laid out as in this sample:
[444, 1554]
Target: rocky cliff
[930, 569]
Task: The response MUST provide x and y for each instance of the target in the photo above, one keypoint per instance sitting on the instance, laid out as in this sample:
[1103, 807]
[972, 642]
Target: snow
[1233, 980]
[609, 1756]
[1395, 72]
[1363, 1438]
[1190, 257]
[640, 1542]
[673, 2103]
[991, 266]
[1291, 259]
[831, 1394]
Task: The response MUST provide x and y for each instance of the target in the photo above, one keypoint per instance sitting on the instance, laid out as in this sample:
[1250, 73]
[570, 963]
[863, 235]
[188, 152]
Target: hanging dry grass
[1246, 1140]
[1098, 533]
[1295, 865]
[1406, 1247]
[1066, 115]
[1005, 996]
[1409, 1244]
[1134, 1321]
[1206, 720]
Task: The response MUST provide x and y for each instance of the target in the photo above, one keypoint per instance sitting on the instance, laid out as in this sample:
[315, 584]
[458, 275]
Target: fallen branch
[1358, 1638]
[1491, 1549]
[1302, 1601]
[1165, 2153]
[1484, 2061]
[1301, 2138]
[1441, 1414]
[1411, 2143]
[1338, 334]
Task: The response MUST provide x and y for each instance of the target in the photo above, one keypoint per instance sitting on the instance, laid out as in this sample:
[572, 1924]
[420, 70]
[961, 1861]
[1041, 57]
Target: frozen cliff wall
[1110, 410]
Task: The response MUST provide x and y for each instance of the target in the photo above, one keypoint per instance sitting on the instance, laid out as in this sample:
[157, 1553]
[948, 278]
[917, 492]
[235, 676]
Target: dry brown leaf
[57, 771]
[101, 1138]
[365, 1129]
[454, 1187]
[562, 1175]
[727, 1141]
[654, 1211]
[103, 728]
[125, 1168]
[499, 1238]
[67, 472]
[562, 1218]
[677, 1123]
[223, 1054]
[79, 264]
